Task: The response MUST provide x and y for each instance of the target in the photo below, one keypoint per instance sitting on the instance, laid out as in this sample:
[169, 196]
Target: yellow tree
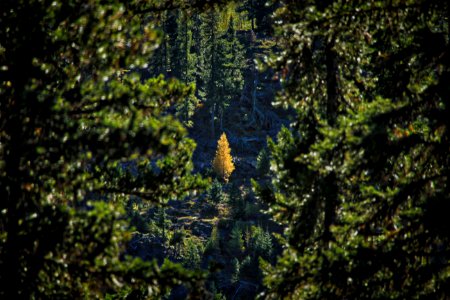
[223, 161]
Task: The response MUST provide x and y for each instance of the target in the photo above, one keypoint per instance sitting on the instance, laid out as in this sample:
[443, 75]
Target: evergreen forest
[196, 149]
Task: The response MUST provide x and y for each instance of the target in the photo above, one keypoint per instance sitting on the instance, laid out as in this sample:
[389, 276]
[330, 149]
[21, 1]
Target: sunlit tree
[223, 161]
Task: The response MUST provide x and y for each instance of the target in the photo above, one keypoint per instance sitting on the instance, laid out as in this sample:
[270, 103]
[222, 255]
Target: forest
[196, 149]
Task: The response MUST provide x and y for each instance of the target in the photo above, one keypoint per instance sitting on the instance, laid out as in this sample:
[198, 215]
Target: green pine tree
[230, 78]
[72, 125]
[263, 163]
[361, 178]
[236, 243]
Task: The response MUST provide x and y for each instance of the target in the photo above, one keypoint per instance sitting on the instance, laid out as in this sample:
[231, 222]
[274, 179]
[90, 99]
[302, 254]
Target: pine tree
[263, 163]
[261, 243]
[215, 193]
[361, 178]
[198, 50]
[221, 63]
[193, 251]
[236, 243]
[235, 270]
[213, 243]
[210, 71]
[223, 161]
[230, 64]
[68, 124]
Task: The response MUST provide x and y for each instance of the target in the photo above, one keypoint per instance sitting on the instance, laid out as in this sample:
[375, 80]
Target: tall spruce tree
[186, 61]
[222, 61]
[230, 65]
[361, 179]
[210, 45]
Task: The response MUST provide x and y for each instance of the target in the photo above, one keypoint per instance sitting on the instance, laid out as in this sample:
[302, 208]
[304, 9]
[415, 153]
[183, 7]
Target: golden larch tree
[223, 161]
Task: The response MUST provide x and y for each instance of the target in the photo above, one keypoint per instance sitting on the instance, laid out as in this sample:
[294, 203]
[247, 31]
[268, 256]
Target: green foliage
[213, 243]
[177, 241]
[261, 243]
[235, 244]
[219, 296]
[216, 193]
[193, 253]
[223, 61]
[251, 210]
[263, 163]
[237, 202]
[236, 270]
[201, 49]
[186, 109]
[160, 224]
[361, 178]
[259, 13]
[247, 268]
[79, 128]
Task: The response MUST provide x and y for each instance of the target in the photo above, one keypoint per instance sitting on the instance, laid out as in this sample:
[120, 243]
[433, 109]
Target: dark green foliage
[161, 223]
[79, 128]
[236, 271]
[231, 63]
[235, 193]
[177, 241]
[139, 222]
[237, 202]
[259, 12]
[213, 243]
[215, 193]
[263, 163]
[251, 210]
[193, 253]
[229, 79]
[186, 109]
[222, 61]
[247, 268]
[235, 244]
[361, 178]
[184, 63]
[196, 51]
[261, 243]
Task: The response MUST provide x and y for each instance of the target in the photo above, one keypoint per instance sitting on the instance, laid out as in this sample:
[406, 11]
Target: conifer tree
[184, 64]
[68, 124]
[210, 71]
[259, 13]
[361, 178]
[263, 163]
[221, 62]
[215, 193]
[230, 64]
[213, 243]
[235, 243]
[235, 270]
[223, 161]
